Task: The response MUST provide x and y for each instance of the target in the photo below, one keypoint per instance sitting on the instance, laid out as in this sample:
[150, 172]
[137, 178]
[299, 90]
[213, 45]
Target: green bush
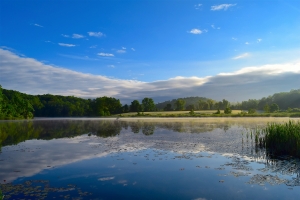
[227, 110]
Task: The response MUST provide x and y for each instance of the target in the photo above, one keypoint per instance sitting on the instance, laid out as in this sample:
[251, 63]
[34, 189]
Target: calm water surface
[199, 159]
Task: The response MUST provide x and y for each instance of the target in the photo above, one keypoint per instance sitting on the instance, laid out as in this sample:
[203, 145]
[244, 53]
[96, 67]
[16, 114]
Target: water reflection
[29, 147]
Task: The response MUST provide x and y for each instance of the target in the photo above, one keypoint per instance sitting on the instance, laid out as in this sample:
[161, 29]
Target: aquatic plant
[280, 139]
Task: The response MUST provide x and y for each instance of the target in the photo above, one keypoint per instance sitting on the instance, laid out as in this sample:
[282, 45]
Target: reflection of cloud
[106, 178]
[34, 77]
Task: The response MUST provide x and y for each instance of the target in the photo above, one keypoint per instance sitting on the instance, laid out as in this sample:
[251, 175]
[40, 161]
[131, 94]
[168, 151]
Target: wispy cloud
[38, 25]
[213, 26]
[244, 55]
[93, 46]
[221, 7]
[259, 40]
[197, 6]
[247, 43]
[121, 51]
[106, 54]
[66, 45]
[111, 66]
[77, 36]
[65, 35]
[249, 82]
[96, 34]
[234, 38]
[132, 49]
[195, 31]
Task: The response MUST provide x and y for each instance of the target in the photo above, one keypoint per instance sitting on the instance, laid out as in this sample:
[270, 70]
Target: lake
[174, 158]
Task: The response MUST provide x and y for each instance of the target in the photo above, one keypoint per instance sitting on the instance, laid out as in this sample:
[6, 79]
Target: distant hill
[188, 101]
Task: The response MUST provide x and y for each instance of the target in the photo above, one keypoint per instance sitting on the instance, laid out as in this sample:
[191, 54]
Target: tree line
[17, 105]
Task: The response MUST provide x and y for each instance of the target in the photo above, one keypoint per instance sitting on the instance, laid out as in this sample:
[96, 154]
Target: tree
[180, 104]
[135, 106]
[125, 108]
[148, 104]
[168, 107]
[274, 107]
[227, 110]
[267, 108]
[211, 103]
[190, 107]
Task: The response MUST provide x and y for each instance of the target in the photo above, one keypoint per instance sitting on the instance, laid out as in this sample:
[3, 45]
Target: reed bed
[280, 139]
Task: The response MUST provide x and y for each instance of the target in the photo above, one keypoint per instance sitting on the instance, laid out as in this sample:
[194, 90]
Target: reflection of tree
[148, 129]
[135, 127]
[16, 132]
[109, 129]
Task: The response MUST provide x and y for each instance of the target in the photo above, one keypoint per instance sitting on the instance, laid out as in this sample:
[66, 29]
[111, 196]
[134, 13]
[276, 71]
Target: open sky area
[162, 49]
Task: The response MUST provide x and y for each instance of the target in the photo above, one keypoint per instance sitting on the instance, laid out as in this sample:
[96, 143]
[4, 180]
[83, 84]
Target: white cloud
[38, 25]
[96, 34]
[195, 31]
[259, 40]
[124, 48]
[234, 38]
[77, 36]
[213, 26]
[106, 54]
[111, 66]
[66, 45]
[34, 77]
[221, 7]
[93, 46]
[65, 35]
[247, 43]
[244, 55]
[132, 49]
[121, 51]
[197, 6]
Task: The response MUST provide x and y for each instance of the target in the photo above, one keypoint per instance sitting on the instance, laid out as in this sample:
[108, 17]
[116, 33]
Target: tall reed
[280, 139]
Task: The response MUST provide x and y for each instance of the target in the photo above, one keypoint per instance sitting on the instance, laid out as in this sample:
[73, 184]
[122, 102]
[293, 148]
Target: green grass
[205, 113]
[280, 139]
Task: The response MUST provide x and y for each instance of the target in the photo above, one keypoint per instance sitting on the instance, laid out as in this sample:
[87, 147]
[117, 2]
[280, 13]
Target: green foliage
[135, 106]
[227, 110]
[192, 112]
[251, 111]
[15, 105]
[190, 107]
[180, 104]
[218, 112]
[188, 101]
[148, 104]
[281, 139]
[1, 195]
[168, 107]
[267, 108]
[274, 107]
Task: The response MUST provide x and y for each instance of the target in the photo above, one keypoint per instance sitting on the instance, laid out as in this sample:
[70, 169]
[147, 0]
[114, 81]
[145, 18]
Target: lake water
[210, 158]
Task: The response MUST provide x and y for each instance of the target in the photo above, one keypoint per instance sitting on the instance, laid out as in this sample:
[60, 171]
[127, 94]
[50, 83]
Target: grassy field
[205, 113]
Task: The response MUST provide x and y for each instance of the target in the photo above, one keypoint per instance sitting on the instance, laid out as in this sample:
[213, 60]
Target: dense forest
[17, 105]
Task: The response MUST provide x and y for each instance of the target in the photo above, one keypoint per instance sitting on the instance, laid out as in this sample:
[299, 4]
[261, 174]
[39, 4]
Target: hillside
[188, 101]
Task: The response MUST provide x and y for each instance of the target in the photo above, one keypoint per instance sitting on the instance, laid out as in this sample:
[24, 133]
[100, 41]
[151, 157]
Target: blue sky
[147, 42]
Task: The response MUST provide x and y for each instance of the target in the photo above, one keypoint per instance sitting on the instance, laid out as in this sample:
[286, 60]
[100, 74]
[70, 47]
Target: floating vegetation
[279, 139]
[39, 189]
